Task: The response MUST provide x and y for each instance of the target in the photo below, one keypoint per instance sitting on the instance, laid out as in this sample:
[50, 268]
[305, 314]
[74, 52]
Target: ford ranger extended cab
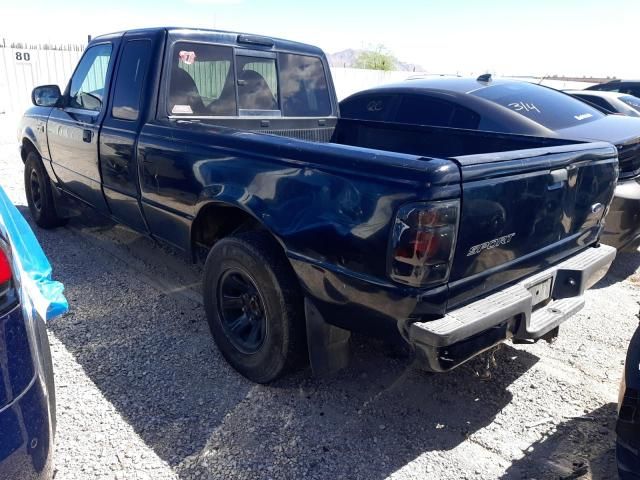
[317, 226]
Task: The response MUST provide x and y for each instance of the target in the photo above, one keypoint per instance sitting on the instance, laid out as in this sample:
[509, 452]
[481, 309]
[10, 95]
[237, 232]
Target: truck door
[123, 121]
[73, 129]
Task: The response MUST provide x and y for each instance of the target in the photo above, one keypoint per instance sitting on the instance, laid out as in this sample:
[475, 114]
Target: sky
[505, 37]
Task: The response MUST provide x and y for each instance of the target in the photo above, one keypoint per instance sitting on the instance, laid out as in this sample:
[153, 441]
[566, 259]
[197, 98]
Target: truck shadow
[579, 448]
[151, 355]
[625, 265]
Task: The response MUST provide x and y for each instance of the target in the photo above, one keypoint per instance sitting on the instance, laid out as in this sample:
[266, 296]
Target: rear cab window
[257, 86]
[201, 80]
[209, 80]
[545, 106]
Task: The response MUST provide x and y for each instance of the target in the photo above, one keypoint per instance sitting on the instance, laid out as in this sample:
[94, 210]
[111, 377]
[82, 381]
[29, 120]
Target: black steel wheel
[254, 306]
[36, 194]
[242, 310]
[39, 193]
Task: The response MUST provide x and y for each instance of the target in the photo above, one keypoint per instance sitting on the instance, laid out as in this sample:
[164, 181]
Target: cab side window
[87, 90]
[132, 70]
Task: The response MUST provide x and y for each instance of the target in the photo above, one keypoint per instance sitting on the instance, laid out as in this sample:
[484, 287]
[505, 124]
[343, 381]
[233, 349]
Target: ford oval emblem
[597, 208]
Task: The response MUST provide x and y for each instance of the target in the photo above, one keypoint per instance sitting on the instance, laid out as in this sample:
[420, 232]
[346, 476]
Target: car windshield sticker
[584, 116]
[188, 57]
[524, 107]
[182, 109]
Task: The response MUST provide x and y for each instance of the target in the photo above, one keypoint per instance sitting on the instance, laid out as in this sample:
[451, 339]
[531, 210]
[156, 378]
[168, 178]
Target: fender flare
[227, 202]
[29, 136]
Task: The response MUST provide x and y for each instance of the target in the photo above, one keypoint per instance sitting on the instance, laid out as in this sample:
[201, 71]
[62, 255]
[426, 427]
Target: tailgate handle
[558, 177]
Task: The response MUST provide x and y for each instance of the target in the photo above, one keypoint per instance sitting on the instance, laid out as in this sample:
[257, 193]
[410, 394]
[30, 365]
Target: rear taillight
[423, 242]
[5, 269]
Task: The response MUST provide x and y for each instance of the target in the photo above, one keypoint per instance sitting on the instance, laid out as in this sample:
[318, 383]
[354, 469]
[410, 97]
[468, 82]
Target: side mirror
[46, 95]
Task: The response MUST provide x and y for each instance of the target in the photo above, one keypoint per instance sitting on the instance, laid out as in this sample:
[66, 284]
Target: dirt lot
[143, 393]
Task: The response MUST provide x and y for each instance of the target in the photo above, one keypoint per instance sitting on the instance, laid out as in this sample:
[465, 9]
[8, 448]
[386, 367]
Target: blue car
[27, 398]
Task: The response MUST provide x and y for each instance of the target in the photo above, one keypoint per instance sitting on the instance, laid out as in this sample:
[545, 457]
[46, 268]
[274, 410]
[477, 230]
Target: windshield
[633, 102]
[545, 106]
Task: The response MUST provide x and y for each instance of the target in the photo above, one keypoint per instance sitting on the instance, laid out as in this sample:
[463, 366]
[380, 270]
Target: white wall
[352, 80]
[21, 69]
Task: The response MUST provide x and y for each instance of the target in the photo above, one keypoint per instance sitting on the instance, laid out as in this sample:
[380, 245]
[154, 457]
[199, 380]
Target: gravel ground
[144, 394]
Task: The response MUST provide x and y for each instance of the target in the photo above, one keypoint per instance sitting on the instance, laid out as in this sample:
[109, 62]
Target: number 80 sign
[23, 56]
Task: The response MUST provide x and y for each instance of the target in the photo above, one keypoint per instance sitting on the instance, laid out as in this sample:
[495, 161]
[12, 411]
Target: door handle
[86, 135]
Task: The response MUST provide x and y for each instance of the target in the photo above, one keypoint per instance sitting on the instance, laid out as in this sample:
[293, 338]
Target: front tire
[40, 194]
[254, 306]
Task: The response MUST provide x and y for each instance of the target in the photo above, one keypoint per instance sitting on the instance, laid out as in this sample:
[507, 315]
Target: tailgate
[522, 211]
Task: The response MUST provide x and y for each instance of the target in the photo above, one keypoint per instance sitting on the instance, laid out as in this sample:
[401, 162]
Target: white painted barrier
[352, 80]
[21, 69]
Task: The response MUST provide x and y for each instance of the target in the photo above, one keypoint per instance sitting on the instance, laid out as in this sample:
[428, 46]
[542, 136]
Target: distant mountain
[344, 58]
[347, 58]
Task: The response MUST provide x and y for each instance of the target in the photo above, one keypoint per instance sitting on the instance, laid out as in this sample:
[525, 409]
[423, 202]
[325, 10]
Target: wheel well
[27, 146]
[215, 221]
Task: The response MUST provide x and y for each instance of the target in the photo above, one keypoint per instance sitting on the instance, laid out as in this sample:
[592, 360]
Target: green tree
[377, 59]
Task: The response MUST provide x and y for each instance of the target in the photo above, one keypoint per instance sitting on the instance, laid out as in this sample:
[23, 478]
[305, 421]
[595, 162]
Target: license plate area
[540, 292]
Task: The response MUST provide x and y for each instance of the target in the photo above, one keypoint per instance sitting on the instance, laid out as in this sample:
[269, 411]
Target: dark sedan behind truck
[511, 106]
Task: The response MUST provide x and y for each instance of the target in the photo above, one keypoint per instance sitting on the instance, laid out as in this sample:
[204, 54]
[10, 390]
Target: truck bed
[431, 141]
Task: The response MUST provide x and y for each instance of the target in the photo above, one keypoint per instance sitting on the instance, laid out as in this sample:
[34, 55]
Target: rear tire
[37, 187]
[628, 462]
[254, 306]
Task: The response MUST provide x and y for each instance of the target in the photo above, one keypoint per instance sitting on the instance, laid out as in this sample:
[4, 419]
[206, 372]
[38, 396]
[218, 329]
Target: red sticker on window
[187, 57]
